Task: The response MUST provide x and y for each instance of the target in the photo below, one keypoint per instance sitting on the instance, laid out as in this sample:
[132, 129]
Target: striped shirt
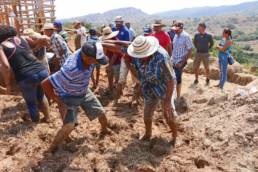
[58, 45]
[72, 79]
[181, 45]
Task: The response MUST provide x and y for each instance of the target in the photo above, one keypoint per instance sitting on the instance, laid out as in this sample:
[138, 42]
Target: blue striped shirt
[155, 74]
[181, 45]
[72, 79]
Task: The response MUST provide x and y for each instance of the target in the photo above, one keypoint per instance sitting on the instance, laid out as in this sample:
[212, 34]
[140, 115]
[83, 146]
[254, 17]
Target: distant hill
[138, 16]
[249, 8]
[130, 14]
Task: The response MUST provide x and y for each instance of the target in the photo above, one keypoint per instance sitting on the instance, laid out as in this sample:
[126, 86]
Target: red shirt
[163, 37]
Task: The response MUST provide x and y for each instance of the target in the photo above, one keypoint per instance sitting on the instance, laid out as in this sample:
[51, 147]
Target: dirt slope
[215, 135]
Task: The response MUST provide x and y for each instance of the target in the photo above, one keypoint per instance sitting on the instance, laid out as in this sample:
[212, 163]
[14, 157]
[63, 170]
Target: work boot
[62, 135]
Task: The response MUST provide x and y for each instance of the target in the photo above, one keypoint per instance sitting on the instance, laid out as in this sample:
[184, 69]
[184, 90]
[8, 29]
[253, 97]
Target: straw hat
[49, 26]
[143, 47]
[158, 23]
[31, 33]
[108, 33]
[119, 19]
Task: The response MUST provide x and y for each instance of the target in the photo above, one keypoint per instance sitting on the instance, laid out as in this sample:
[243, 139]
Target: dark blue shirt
[203, 43]
[123, 34]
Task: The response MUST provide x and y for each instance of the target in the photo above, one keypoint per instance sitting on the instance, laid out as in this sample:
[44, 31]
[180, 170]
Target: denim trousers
[33, 93]
[223, 66]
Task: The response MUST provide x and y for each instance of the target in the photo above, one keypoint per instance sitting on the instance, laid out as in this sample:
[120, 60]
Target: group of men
[155, 59]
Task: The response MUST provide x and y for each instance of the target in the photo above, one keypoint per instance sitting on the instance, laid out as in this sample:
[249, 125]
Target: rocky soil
[218, 132]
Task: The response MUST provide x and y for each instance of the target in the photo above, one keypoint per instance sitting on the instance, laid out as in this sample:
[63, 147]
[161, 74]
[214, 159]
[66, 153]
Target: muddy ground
[217, 133]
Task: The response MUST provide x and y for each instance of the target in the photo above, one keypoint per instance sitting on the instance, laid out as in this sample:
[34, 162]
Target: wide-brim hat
[31, 33]
[48, 26]
[143, 47]
[158, 23]
[108, 34]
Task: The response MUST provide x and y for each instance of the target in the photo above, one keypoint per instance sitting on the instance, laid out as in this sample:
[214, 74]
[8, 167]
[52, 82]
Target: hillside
[249, 8]
[136, 15]
[131, 14]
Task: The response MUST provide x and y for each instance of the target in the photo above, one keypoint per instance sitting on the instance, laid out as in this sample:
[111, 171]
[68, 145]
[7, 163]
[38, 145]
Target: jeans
[223, 66]
[33, 93]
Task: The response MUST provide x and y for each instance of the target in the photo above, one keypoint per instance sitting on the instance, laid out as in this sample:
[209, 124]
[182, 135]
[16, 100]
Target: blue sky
[67, 8]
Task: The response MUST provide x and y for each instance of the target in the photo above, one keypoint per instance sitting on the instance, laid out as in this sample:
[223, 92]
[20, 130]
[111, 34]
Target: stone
[218, 99]
[200, 162]
[256, 108]
[214, 73]
[144, 168]
[189, 67]
[200, 101]
[207, 143]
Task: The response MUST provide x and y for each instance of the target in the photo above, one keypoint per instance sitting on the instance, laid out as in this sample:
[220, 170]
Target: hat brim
[111, 35]
[119, 21]
[103, 61]
[153, 48]
[158, 25]
[49, 28]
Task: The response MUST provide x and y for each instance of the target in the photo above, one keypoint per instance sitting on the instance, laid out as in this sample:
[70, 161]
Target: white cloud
[66, 8]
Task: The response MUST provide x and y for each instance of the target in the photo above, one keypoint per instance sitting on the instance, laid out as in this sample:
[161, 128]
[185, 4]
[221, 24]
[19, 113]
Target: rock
[218, 99]
[144, 168]
[214, 73]
[200, 100]
[243, 79]
[253, 69]
[182, 105]
[189, 67]
[207, 143]
[200, 162]
[256, 108]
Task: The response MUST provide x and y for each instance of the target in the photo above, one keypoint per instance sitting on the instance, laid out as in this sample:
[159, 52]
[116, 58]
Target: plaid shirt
[181, 45]
[58, 45]
[155, 74]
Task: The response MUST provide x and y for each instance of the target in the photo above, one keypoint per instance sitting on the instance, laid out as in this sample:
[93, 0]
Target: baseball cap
[119, 19]
[147, 29]
[58, 24]
[95, 50]
[92, 31]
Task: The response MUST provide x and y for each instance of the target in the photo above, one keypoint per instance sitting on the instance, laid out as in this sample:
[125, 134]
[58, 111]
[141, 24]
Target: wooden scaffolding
[24, 14]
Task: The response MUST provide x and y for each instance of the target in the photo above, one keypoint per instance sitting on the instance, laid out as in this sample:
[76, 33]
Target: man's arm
[112, 47]
[195, 41]
[6, 68]
[211, 42]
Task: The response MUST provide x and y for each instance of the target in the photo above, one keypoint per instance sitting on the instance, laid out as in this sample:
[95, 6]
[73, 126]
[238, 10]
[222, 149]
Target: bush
[247, 47]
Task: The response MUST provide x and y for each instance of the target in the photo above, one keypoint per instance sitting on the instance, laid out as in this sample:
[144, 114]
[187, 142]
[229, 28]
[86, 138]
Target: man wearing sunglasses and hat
[69, 88]
[182, 51]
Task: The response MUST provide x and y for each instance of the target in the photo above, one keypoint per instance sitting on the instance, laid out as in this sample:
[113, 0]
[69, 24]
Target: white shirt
[82, 31]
